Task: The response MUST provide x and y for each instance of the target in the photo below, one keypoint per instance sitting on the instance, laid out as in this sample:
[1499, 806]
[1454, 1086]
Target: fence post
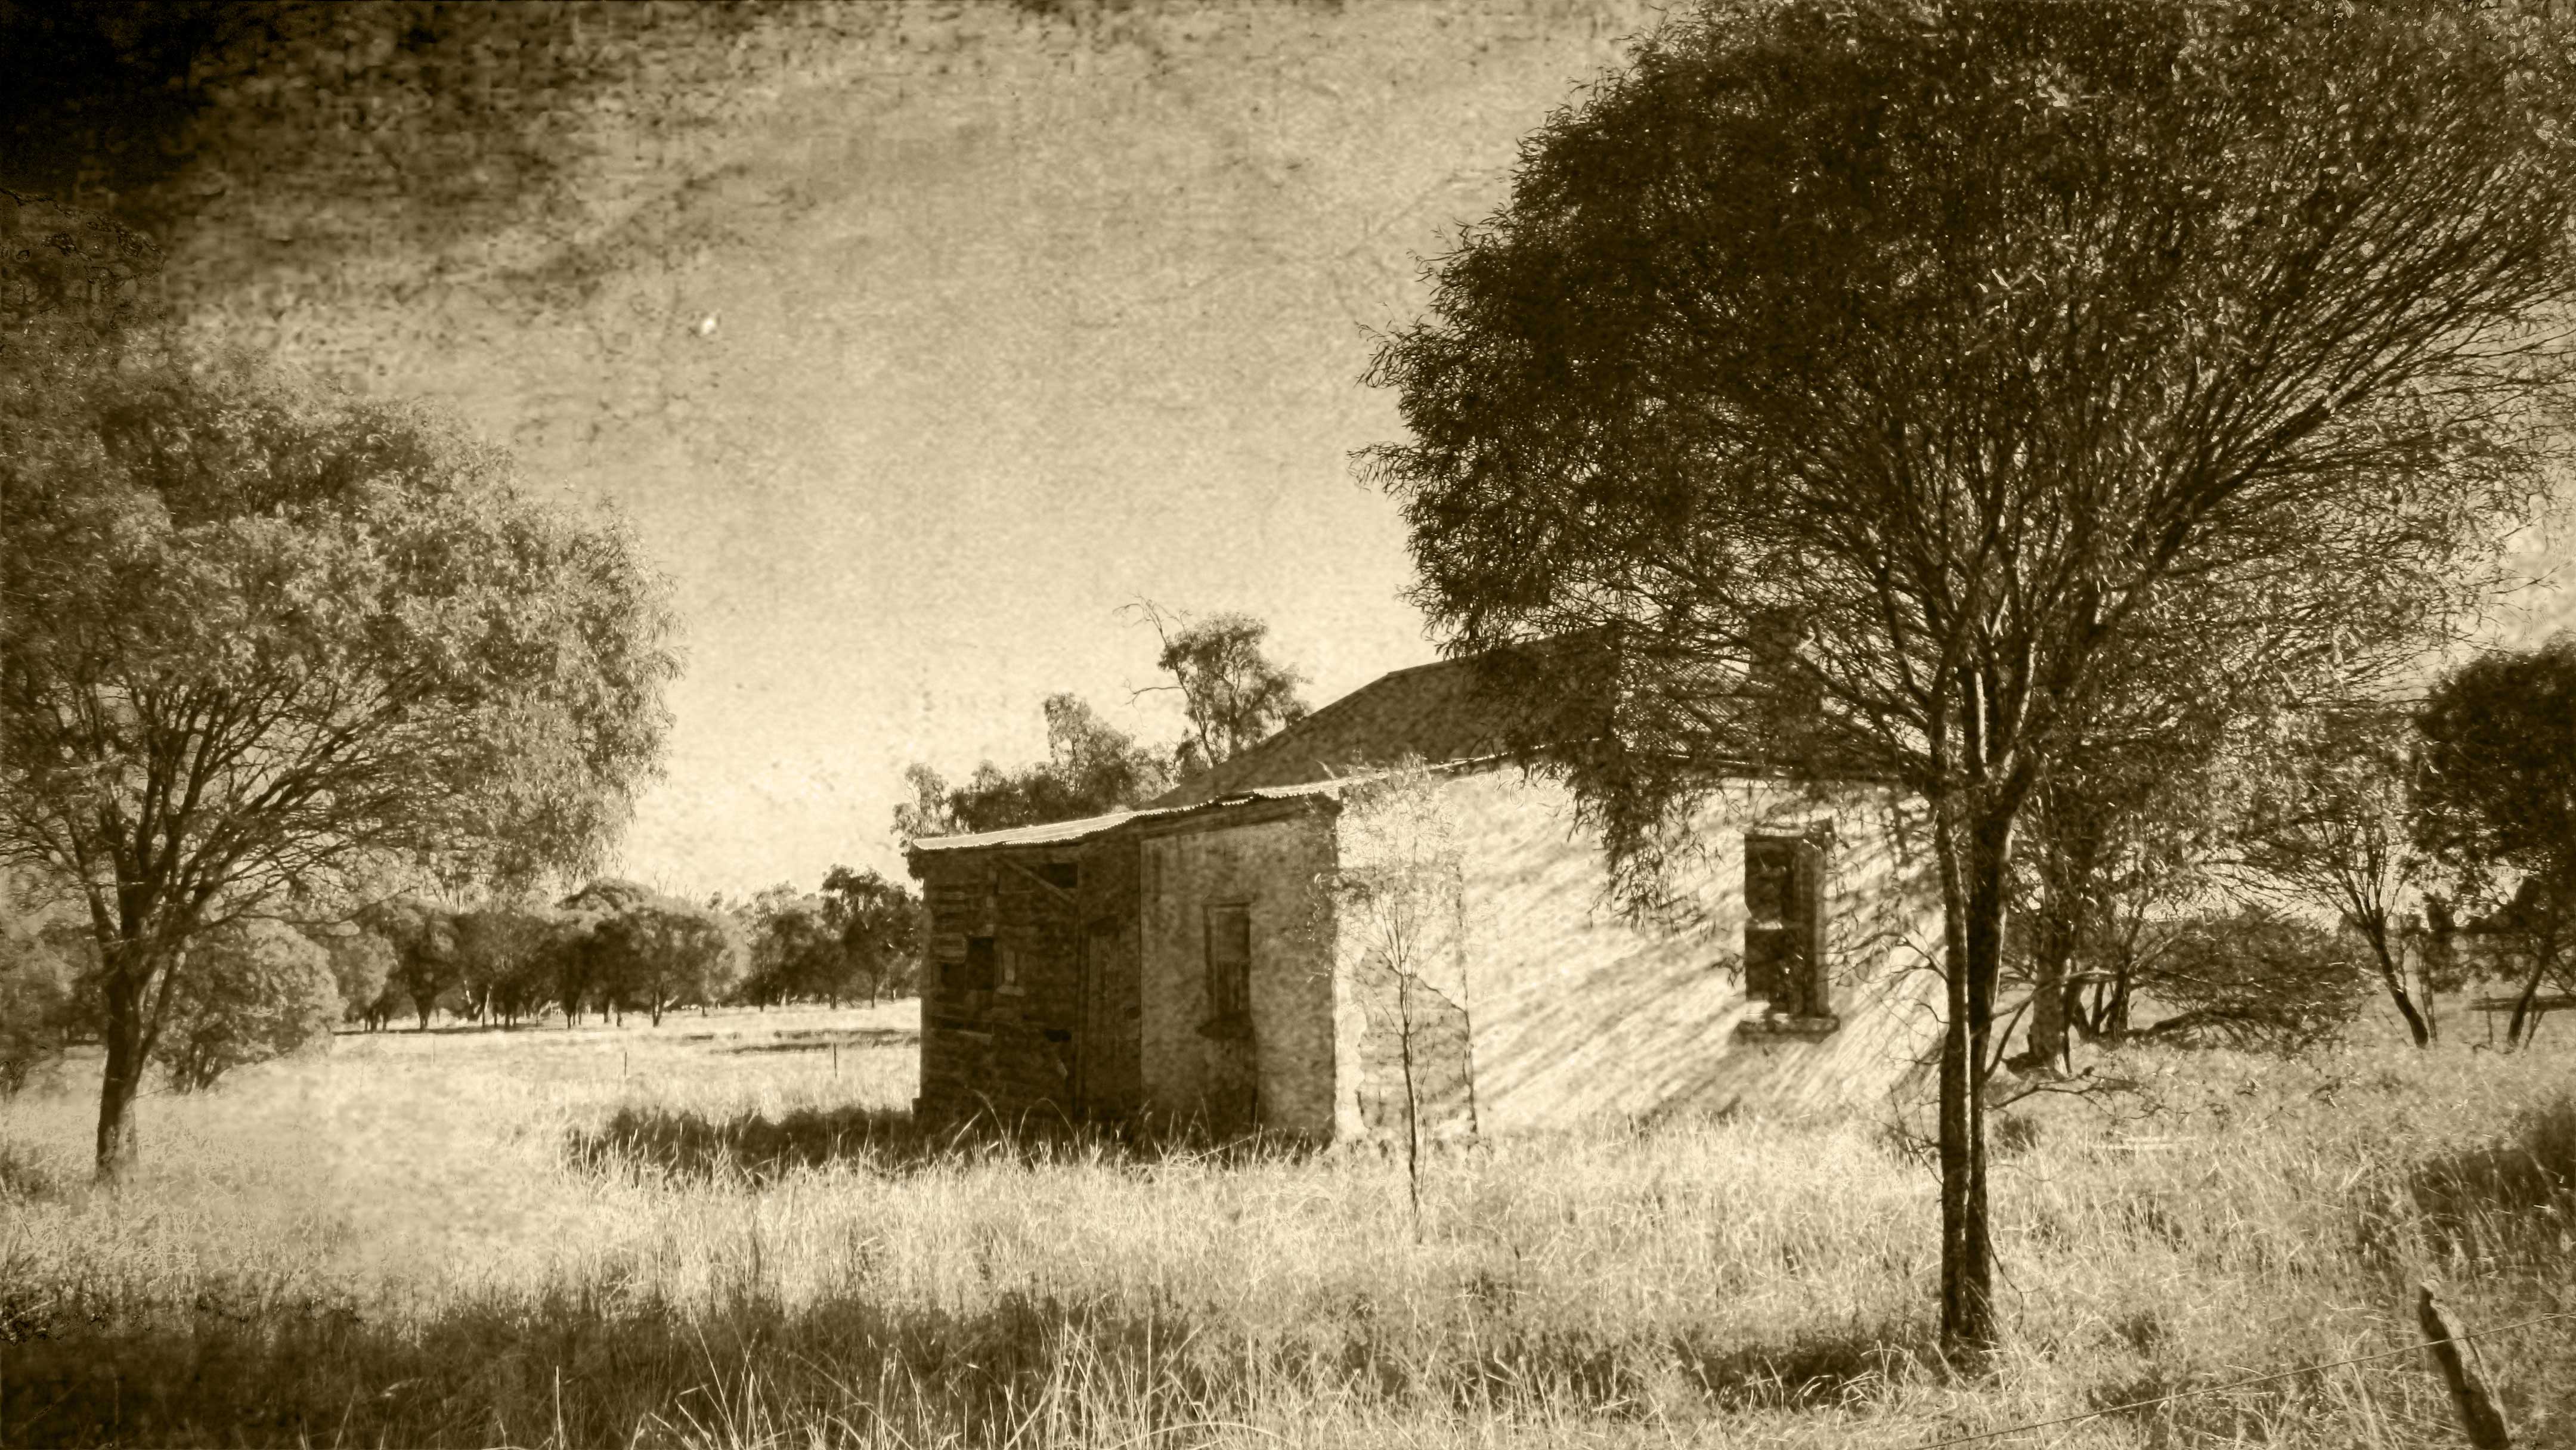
[2457, 1358]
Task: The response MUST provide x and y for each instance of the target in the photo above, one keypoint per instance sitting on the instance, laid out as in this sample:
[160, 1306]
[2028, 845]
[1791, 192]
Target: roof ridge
[1346, 701]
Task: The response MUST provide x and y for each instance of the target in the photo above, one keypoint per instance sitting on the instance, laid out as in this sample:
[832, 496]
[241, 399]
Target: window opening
[1783, 948]
[1229, 961]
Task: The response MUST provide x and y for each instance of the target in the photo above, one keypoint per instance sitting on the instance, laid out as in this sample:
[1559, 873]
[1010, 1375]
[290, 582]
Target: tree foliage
[362, 966]
[2495, 799]
[40, 999]
[576, 955]
[263, 640]
[422, 934]
[500, 958]
[1393, 898]
[1866, 382]
[659, 953]
[2252, 978]
[795, 948]
[2323, 818]
[1232, 693]
[261, 990]
[2120, 825]
[879, 926]
[1092, 768]
[71, 279]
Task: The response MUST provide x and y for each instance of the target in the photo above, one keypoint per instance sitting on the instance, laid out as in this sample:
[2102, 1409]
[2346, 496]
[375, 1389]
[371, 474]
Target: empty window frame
[1783, 924]
[978, 976]
[1229, 960]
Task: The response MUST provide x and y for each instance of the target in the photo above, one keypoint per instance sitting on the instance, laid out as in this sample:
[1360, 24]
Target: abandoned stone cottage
[1236, 953]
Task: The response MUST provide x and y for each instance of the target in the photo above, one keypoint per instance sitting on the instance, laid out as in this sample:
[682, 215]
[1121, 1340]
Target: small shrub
[250, 991]
[38, 1005]
[2012, 1135]
[2253, 979]
[26, 1176]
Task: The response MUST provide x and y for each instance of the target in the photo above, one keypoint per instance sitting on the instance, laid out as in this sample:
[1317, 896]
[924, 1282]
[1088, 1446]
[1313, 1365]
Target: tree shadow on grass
[755, 1149]
[1812, 1370]
[1517, 1363]
[581, 1368]
[604, 1363]
[2514, 1198]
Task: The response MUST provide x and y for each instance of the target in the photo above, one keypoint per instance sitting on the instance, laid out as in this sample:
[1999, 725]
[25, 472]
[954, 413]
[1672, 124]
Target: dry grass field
[724, 1232]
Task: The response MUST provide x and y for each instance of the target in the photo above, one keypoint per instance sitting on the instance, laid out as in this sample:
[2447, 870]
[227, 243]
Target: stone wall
[1280, 1072]
[1412, 1057]
[1522, 1000]
[1112, 1071]
[1578, 1013]
[1402, 1034]
[1002, 1041]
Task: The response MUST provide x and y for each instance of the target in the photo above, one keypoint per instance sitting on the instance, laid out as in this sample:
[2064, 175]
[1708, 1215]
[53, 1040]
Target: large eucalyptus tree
[1867, 380]
[260, 643]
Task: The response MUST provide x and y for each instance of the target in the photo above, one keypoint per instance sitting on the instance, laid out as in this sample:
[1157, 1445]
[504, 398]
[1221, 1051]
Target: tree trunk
[2049, 994]
[2374, 926]
[2070, 871]
[2522, 1005]
[1412, 1100]
[2416, 1026]
[2432, 1017]
[123, 1079]
[1972, 912]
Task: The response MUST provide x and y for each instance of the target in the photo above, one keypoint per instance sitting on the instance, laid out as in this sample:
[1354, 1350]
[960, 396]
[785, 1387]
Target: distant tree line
[2247, 885]
[265, 987]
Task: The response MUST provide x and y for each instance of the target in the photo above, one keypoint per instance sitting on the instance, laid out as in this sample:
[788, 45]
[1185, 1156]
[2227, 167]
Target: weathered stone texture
[1004, 1046]
[1522, 1000]
[1111, 1071]
[1578, 1013]
[1282, 1071]
[1413, 1055]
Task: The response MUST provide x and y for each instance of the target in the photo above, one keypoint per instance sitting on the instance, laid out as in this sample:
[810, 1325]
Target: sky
[915, 343]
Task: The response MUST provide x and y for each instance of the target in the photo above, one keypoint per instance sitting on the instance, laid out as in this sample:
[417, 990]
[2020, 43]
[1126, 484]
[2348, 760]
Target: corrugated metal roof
[1064, 832]
[1053, 832]
[1441, 713]
[1437, 713]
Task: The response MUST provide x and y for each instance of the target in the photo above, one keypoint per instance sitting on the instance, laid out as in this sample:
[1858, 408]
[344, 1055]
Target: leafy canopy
[1233, 694]
[263, 990]
[260, 638]
[1896, 365]
[879, 923]
[2495, 787]
[1092, 767]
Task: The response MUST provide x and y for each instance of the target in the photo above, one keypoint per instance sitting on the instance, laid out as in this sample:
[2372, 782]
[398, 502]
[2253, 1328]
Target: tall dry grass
[704, 1235]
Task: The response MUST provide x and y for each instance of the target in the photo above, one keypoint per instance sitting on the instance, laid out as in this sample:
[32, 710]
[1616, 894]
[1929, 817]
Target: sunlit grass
[721, 1232]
